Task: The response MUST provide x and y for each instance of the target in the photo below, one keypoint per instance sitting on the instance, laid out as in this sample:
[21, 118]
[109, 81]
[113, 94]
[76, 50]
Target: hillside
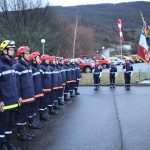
[103, 19]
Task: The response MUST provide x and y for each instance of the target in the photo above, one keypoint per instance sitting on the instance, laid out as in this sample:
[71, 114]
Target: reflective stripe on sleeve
[23, 72]
[7, 72]
[71, 81]
[39, 95]
[36, 73]
[27, 100]
[46, 90]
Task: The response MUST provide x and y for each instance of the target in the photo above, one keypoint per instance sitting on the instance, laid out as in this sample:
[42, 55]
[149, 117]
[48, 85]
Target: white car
[116, 61]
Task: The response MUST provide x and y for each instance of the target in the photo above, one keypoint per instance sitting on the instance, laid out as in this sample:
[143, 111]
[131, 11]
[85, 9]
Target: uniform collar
[5, 59]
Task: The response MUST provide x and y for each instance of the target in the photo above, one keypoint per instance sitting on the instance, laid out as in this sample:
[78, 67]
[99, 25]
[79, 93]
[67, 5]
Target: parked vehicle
[125, 57]
[102, 59]
[136, 59]
[116, 61]
[86, 67]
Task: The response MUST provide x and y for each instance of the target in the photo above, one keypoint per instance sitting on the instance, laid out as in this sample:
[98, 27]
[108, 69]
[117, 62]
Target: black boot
[96, 88]
[72, 94]
[66, 98]
[52, 111]
[128, 88]
[3, 146]
[44, 116]
[56, 107]
[12, 147]
[60, 102]
[114, 86]
[22, 135]
[77, 93]
[33, 124]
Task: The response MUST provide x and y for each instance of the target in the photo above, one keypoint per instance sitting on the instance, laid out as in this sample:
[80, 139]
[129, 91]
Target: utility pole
[75, 36]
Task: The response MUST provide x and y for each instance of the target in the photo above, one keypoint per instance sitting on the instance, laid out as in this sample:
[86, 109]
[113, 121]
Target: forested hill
[102, 18]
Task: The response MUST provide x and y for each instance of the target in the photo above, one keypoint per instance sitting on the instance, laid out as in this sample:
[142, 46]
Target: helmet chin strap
[24, 58]
[7, 54]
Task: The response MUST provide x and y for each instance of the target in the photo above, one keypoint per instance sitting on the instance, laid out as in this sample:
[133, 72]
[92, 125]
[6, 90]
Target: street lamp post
[43, 42]
[103, 48]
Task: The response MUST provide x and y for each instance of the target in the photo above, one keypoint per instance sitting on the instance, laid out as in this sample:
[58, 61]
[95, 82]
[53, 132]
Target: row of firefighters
[31, 88]
[127, 68]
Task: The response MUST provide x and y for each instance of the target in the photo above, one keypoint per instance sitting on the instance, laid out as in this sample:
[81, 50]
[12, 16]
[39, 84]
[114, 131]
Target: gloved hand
[1, 106]
[116, 74]
[20, 99]
[131, 73]
[100, 75]
[124, 70]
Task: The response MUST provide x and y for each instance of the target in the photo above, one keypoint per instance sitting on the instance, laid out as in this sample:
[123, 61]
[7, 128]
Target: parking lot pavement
[99, 120]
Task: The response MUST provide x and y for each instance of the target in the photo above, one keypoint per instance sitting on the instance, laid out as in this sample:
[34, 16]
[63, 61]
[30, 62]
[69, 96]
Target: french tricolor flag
[143, 45]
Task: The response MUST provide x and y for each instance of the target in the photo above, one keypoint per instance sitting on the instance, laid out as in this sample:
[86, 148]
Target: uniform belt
[96, 72]
[11, 106]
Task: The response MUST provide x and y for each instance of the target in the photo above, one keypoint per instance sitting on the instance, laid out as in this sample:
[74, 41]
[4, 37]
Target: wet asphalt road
[98, 120]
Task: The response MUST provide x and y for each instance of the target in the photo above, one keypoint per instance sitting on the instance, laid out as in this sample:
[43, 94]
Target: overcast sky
[83, 2]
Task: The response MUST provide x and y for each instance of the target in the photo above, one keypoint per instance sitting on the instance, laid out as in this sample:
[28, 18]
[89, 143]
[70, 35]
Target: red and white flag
[119, 29]
[144, 44]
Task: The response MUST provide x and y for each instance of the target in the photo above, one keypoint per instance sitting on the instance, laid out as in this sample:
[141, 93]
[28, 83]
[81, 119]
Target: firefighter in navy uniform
[68, 79]
[55, 86]
[79, 76]
[8, 94]
[63, 75]
[97, 73]
[47, 87]
[26, 93]
[112, 75]
[128, 71]
[37, 81]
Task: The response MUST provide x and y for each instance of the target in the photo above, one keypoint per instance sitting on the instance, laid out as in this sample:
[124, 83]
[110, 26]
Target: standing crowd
[32, 88]
[127, 69]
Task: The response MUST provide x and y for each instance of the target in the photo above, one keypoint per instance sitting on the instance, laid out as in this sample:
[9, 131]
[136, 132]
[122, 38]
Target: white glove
[124, 70]
[20, 99]
[100, 75]
[93, 70]
[116, 74]
[1, 106]
[131, 73]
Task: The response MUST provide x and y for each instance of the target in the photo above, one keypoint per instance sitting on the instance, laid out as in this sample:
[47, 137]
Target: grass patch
[88, 78]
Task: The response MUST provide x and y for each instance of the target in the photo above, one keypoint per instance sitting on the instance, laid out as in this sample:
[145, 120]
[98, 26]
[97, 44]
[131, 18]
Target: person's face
[55, 61]
[27, 55]
[11, 52]
[62, 61]
[47, 61]
[37, 59]
[127, 61]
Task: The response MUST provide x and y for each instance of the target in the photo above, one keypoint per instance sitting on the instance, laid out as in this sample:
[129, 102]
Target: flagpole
[121, 35]
[75, 36]
[121, 48]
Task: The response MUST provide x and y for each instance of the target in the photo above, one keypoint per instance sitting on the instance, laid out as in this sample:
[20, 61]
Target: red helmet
[44, 56]
[59, 59]
[51, 58]
[34, 55]
[66, 60]
[22, 49]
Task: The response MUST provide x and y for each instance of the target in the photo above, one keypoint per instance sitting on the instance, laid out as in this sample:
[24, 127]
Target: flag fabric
[144, 43]
[120, 30]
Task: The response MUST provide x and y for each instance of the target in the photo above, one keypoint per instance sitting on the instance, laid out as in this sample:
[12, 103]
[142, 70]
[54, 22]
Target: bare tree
[26, 21]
